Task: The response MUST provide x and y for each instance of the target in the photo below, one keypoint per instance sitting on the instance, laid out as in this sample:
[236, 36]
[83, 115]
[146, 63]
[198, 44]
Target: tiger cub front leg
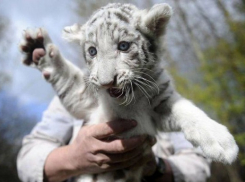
[41, 53]
[66, 79]
[214, 139]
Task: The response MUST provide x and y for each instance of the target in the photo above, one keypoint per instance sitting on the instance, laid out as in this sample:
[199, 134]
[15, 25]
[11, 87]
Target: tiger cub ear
[156, 19]
[73, 33]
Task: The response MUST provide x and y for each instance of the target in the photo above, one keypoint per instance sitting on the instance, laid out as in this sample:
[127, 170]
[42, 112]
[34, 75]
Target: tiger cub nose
[109, 84]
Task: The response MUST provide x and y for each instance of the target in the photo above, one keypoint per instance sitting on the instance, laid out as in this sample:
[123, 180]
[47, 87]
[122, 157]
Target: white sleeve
[53, 131]
[189, 166]
[188, 163]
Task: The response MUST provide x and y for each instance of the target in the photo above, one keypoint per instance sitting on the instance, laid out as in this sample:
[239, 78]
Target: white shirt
[57, 127]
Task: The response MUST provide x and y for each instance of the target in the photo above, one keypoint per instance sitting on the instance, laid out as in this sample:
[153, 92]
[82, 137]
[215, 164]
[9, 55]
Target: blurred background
[205, 52]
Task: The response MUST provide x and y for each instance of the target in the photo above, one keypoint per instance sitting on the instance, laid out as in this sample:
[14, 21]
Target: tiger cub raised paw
[39, 52]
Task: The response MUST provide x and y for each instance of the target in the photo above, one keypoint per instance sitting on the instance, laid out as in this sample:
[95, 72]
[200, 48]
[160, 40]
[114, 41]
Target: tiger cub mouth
[119, 92]
[116, 92]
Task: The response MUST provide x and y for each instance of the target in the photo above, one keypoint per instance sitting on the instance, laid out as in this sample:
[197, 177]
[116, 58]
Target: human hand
[91, 153]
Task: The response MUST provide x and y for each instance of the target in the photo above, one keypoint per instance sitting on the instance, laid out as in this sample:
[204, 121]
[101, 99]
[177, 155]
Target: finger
[144, 160]
[150, 166]
[121, 165]
[122, 145]
[116, 158]
[104, 130]
[152, 140]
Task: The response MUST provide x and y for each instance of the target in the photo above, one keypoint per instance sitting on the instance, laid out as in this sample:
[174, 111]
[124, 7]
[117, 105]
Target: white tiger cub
[122, 48]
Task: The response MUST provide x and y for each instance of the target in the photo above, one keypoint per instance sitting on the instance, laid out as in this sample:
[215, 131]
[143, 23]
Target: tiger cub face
[120, 43]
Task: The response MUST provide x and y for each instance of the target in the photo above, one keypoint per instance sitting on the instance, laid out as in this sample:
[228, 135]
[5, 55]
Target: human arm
[182, 161]
[54, 130]
[183, 167]
[45, 150]
[188, 163]
[95, 155]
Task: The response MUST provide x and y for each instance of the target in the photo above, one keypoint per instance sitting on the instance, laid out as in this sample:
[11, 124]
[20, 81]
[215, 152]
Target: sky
[27, 83]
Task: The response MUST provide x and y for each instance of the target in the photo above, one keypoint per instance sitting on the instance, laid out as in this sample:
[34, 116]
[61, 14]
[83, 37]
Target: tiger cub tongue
[114, 92]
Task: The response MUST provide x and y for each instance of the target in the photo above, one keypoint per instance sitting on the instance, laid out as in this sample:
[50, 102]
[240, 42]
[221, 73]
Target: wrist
[163, 172]
[59, 165]
[167, 173]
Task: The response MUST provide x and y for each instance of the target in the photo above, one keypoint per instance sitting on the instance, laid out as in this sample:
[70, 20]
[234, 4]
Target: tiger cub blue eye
[92, 51]
[123, 46]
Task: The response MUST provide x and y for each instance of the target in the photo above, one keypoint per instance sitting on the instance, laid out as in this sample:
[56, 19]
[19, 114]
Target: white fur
[214, 139]
[69, 83]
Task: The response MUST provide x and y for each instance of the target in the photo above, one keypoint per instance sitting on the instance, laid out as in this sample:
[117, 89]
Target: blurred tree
[84, 10]
[194, 43]
[14, 120]
[221, 89]
[225, 75]
[4, 42]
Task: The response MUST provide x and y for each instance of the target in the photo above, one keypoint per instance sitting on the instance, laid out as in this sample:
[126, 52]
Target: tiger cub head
[120, 45]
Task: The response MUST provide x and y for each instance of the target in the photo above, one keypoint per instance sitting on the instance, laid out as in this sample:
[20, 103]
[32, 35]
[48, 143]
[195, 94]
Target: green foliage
[222, 89]
[224, 71]
[240, 138]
